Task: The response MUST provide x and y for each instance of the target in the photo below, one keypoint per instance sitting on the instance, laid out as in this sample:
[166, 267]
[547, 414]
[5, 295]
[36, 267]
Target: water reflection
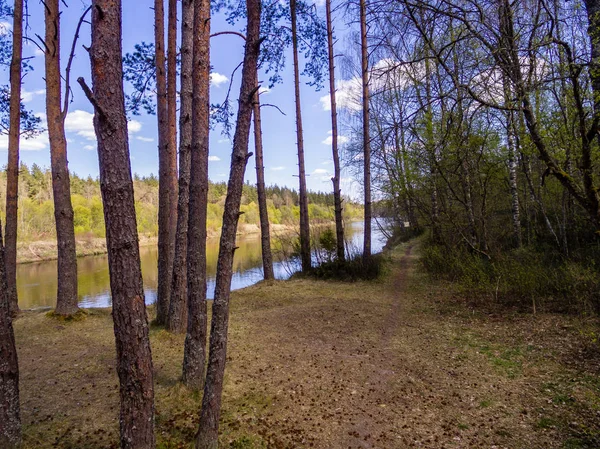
[36, 282]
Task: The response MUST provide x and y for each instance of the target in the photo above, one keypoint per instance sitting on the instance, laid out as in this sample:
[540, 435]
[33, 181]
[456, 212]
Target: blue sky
[279, 133]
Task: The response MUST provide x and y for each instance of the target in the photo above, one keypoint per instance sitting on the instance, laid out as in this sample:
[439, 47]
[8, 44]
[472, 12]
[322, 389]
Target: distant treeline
[36, 208]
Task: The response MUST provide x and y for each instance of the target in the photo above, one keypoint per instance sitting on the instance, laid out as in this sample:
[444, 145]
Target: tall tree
[172, 121]
[364, 50]
[587, 165]
[66, 297]
[12, 176]
[304, 220]
[165, 174]
[265, 233]
[177, 319]
[10, 417]
[134, 359]
[337, 194]
[194, 357]
[211, 401]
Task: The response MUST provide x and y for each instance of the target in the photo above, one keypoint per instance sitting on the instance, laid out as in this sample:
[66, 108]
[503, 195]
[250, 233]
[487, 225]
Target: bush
[522, 277]
[351, 270]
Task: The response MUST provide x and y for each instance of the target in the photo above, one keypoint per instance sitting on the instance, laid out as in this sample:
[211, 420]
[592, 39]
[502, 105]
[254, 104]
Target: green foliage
[327, 240]
[36, 208]
[351, 270]
[522, 277]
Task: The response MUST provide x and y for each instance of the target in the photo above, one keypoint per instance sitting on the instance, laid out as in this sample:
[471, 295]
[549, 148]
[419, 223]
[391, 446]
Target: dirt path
[397, 363]
[400, 288]
[382, 366]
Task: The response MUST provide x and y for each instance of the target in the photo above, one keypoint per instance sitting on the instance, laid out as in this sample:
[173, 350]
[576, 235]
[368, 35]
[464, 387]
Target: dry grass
[388, 364]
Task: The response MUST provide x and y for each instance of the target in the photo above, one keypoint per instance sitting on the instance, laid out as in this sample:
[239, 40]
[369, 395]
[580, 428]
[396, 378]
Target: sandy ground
[398, 363]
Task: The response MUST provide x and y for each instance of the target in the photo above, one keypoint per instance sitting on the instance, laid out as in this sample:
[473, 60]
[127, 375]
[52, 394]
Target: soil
[402, 362]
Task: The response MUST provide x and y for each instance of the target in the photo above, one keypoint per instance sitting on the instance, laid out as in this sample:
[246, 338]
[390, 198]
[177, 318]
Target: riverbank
[44, 250]
[396, 363]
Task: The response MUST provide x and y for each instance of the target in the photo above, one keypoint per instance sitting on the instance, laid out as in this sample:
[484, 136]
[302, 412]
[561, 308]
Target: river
[37, 283]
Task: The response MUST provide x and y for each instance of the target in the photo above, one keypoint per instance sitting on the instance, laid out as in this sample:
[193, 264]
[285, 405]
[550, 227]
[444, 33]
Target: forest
[36, 206]
[465, 133]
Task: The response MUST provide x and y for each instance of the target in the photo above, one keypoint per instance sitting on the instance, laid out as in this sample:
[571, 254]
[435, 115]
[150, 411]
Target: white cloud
[385, 74]
[224, 141]
[348, 95]
[89, 147]
[214, 158]
[319, 171]
[341, 140]
[82, 123]
[36, 143]
[216, 79]
[134, 126]
[5, 28]
[264, 90]
[27, 96]
[278, 168]
[145, 139]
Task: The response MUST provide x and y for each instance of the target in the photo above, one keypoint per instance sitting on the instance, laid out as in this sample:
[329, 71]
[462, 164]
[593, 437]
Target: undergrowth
[353, 269]
[525, 277]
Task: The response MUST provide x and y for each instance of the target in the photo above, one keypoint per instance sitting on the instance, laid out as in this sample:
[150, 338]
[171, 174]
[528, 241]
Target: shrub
[522, 277]
[350, 270]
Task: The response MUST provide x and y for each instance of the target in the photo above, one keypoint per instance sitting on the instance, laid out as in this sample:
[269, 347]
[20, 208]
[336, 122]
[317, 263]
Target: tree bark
[165, 238]
[512, 179]
[194, 357]
[591, 189]
[66, 297]
[366, 133]
[265, 233]
[172, 121]
[10, 415]
[211, 401]
[303, 197]
[134, 359]
[177, 319]
[12, 170]
[337, 194]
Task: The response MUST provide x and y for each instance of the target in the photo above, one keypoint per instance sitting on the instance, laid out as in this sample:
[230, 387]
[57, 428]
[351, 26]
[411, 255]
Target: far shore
[46, 250]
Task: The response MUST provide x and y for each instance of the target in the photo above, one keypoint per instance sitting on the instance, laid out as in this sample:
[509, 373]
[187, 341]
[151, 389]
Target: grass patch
[80, 315]
[527, 278]
[545, 423]
[486, 403]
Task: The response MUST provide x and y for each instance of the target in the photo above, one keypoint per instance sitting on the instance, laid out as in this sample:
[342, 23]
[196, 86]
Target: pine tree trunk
[366, 133]
[66, 298]
[10, 416]
[12, 170]
[265, 233]
[303, 197]
[177, 319]
[134, 359]
[337, 194]
[194, 356]
[211, 401]
[172, 121]
[164, 169]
